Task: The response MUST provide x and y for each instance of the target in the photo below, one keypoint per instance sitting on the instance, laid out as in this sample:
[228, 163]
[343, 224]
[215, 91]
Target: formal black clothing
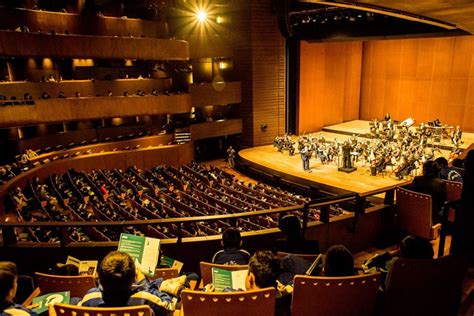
[231, 256]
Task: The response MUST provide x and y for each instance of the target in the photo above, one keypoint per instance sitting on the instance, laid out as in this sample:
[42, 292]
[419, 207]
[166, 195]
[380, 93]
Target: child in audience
[231, 254]
[8, 288]
[338, 262]
[122, 284]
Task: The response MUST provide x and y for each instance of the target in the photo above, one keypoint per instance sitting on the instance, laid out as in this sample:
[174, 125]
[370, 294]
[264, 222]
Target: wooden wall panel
[210, 94]
[330, 76]
[216, 129]
[63, 110]
[76, 46]
[424, 78]
[260, 62]
[77, 24]
[87, 88]
[173, 155]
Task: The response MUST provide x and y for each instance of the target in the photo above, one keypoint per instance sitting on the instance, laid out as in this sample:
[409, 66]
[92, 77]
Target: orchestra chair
[453, 195]
[351, 295]
[414, 214]
[59, 309]
[425, 286]
[165, 273]
[249, 303]
[76, 285]
[206, 270]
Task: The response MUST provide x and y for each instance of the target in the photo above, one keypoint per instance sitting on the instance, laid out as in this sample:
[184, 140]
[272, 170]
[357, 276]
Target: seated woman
[8, 288]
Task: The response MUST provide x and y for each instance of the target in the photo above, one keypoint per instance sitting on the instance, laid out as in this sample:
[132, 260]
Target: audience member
[430, 183]
[45, 96]
[8, 288]
[446, 172]
[294, 243]
[231, 254]
[414, 247]
[264, 269]
[463, 235]
[338, 262]
[122, 284]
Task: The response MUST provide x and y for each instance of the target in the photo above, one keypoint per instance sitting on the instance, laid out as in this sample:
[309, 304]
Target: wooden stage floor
[268, 159]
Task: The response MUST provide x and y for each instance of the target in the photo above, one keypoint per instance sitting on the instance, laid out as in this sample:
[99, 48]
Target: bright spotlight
[201, 16]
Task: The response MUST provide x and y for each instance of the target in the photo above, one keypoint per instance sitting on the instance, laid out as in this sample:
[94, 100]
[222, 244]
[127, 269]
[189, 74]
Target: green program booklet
[222, 279]
[172, 263]
[44, 301]
[144, 250]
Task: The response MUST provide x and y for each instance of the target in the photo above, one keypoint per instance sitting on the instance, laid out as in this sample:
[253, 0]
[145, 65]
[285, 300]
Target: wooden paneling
[76, 46]
[173, 155]
[216, 129]
[215, 94]
[420, 78]
[85, 87]
[77, 24]
[260, 62]
[206, 45]
[63, 110]
[329, 84]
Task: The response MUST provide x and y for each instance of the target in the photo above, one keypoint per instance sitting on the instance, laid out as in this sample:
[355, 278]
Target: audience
[231, 254]
[122, 284]
[8, 289]
[294, 243]
[463, 235]
[430, 183]
[446, 172]
[338, 262]
[264, 269]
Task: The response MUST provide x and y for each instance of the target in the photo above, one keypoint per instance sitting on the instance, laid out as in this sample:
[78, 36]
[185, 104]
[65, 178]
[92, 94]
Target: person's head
[264, 269]
[338, 262]
[430, 169]
[8, 284]
[116, 276]
[458, 163]
[66, 269]
[414, 247]
[231, 238]
[442, 163]
[290, 226]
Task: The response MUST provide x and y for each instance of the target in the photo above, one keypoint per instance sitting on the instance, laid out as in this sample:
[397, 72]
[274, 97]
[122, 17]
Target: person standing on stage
[230, 157]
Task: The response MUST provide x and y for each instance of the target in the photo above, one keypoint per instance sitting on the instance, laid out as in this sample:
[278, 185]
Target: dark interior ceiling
[337, 20]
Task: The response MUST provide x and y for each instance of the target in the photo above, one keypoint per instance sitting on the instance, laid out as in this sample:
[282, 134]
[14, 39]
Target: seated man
[338, 262]
[122, 284]
[231, 254]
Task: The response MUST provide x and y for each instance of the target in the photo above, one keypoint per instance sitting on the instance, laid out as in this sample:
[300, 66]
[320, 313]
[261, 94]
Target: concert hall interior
[184, 119]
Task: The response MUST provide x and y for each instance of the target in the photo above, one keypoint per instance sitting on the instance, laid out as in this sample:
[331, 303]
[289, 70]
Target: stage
[326, 176]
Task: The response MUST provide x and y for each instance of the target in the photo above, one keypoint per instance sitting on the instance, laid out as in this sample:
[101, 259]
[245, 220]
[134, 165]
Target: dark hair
[265, 266]
[430, 169]
[458, 163]
[8, 273]
[231, 238]
[338, 262]
[442, 162]
[116, 276]
[414, 247]
[67, 269]
[290, 225]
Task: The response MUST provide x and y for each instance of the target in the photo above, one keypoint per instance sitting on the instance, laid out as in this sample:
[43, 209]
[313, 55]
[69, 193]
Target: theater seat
[414, 214]
[77, 285]
[165, 273]
[424, 287]
[68, 310]
[334, 296]
[250, 303]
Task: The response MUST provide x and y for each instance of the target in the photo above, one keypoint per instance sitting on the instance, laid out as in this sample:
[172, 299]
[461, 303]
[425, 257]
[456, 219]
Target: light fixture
[201, 16]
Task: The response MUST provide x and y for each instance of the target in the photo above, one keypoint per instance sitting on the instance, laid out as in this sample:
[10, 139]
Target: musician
[456, 136]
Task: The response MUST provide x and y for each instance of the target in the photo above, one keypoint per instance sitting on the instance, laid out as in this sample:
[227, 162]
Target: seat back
[76, 285]
[453, 193]
[165, 273]
[307, 257]
[73, 310]
[414, 213]
[250, 303]
[353, 295]
[425, 287]
[206, 270]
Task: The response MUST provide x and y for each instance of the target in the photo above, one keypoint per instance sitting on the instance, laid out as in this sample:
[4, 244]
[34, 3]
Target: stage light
[201, 16]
